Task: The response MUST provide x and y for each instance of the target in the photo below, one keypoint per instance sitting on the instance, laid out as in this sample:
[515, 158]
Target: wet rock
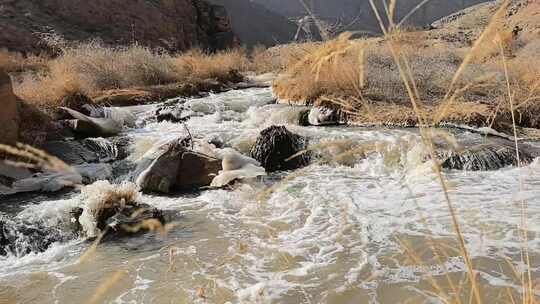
[114, 208]
[72, 152]
[91, 173]
[9, 115]
[45, 182]
[323, 116]
[236, 167]
[76, 101]
[173, 167]
[86, 126]
[276, 145]
[121, 220]
[486, 157]
[303, 119]
[171, 113]
[20, 238]
[108, 150]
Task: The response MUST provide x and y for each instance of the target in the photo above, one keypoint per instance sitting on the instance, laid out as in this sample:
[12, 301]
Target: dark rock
[175, 168]
[77, 101]
[71, 152]
[91, 173]
[276, 145]
[108, 150]
[482, 153]
[86, 126]
[90, 150]
[120, 220]
[323, 116]
[485, 157]
[171, 113]
[303, 119]
[9, 115]
[20, 238]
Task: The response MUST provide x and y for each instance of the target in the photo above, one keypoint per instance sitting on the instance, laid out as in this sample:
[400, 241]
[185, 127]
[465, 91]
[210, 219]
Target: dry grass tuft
[91, 67]
[17, 63]
[279, 58]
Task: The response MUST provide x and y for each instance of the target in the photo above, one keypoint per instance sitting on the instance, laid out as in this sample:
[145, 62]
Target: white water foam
[328, 228]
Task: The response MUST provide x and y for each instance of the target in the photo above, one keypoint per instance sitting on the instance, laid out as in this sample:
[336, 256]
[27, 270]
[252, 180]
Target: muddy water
[326, 234]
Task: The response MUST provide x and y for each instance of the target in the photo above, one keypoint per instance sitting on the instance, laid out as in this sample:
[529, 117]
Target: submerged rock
[172, 167]
[115, 209]
[20, 238]
[44, 182]
[91, 173]
[324, 116]
[277, 148]
[74, 152]
[171, 113]
[486, 157]
[236, 167]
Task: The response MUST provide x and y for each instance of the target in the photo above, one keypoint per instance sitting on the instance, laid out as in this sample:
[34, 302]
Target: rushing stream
[328, 233]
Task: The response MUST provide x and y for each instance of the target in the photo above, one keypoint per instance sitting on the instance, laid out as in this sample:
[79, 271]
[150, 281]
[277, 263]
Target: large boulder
[279, 149]
[9, 115]
[86, 126]
[173, 167]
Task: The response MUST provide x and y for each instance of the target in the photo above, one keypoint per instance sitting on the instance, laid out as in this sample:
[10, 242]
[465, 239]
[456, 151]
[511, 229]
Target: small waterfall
[19, 238]
[483, 158]
[104, 148]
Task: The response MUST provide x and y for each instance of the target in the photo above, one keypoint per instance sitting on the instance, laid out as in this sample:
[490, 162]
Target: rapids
[333, 232]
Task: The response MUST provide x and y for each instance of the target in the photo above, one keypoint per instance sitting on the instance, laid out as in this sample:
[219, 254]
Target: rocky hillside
[349, 11]
[256, 25]
[170, 24]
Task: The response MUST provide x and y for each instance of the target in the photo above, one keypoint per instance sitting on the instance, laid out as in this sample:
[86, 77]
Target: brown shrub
[198, 65]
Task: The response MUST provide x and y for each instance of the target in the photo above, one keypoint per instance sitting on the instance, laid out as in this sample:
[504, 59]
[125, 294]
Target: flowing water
[329, 233]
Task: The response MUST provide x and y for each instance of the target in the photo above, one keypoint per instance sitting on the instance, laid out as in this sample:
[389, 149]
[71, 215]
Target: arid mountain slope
[350, 10]
[170, 24]
[254, 24]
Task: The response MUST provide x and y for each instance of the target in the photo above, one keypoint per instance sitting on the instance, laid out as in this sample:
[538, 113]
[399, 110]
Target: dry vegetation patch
[363, 78]
[91, 68]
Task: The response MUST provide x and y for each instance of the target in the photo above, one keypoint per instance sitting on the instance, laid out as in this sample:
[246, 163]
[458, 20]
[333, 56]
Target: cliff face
[256, 25]
[174, 25]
